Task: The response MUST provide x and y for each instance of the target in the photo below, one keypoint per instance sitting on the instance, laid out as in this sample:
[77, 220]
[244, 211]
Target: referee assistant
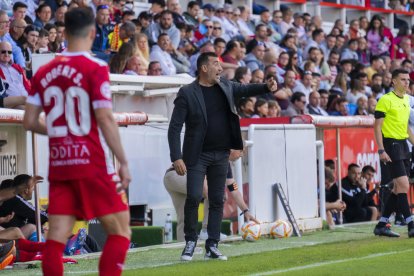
[391, 132]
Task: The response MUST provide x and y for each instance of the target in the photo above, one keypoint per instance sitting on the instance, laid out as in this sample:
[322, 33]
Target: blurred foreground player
[391, 133]
[74, 92]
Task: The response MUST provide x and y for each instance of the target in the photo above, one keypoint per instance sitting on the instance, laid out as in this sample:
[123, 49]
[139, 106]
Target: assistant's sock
[29, 246]
[404, 208]
[52, 264]
[390, 207]
[113, 255]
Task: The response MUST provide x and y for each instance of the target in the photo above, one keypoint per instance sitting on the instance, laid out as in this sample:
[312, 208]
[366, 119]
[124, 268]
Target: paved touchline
[272, 272]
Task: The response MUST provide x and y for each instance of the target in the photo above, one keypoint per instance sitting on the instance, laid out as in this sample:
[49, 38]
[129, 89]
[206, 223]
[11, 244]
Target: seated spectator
[357, 91]
[154, 69]
[191, 15]
[100, 45]
[314, 107]
[340, 84]
[243, 75]
[219, 32]
[52, 45]
[351, 51]
[5, 36]
[379, 38]
[165, 26]
[42, 42]
[363, 52]
[160, 53]
[144, 20]
[245, 23]
[333, 204]
[324, 98]
[284, 92]
[372, 104]
[377, 66]
[59, 14]
[404, 49]
[329, 45]
[13, 78]
[205, 33]
[296, 106]
[134, 66]
[354, 31]
[254, 60]
[338, 107]
[16, 31]
[304, 85]
[43, 15]
[274, 109]
[407, 65]
[245, 108]
[362, 106]
[121, 35]
[181, 62]
[257, 76]
[368, 172]
[119, 60]
[318, 37]
[60, 36]
[208, 47]
[232, 52]
[19, 11]
[355, 196]
[293, 64]
[261, 109]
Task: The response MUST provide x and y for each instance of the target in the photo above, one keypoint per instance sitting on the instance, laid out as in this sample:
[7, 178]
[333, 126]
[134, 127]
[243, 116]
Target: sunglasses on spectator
[217, 28]
[129, 2]
[221, 11]
[229, 12]
[6, 52]
[209, 26]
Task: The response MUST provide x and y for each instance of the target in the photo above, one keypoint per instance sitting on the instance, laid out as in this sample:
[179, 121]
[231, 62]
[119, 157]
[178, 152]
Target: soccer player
[74, 92]
[391, 132]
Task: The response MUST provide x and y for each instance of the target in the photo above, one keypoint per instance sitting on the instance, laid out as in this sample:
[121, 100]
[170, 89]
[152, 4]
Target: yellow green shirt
[397, 114]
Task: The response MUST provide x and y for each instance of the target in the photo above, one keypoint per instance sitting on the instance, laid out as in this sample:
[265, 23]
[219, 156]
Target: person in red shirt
[74, 92]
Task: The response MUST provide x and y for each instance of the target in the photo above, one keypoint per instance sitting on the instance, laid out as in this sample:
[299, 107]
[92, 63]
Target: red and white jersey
[69, 88]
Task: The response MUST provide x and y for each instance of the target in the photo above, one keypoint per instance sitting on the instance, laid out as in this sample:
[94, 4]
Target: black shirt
[331, 194]
[218, 136]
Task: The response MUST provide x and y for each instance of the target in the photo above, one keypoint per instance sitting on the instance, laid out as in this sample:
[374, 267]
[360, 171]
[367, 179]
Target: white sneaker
[204, 235]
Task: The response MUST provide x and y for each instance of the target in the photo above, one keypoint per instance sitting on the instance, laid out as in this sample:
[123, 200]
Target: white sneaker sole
[186, 258]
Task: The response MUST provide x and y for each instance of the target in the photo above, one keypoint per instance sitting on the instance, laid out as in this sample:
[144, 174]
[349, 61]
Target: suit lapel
[199, 96]
[228, 96]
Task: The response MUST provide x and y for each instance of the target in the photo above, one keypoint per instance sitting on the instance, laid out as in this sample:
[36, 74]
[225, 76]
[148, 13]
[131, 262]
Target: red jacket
[19, 69]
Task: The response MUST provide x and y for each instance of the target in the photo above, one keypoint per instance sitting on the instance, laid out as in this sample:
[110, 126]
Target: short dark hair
[312, 49]
[231, 45]
[330, 163]
[161, 35]
[397, 72]
[152, 63]
[259, 26]
[19, 5]
[368, 168]
[164, 12]
[127, 13]
[21, 179]
[352, 165]
[203, 59]
[316, 32]
[159, 3]
[376, 75]
[374, 58]
[323, 91]
[41, 7]
[296, 96]
[192, 4]
[361, 75]
[406, 61]
[218, 40]
[78, 22]
[7, 184]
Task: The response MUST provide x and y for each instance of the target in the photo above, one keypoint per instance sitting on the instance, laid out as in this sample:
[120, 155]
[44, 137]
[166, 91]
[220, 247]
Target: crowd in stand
[340, 73]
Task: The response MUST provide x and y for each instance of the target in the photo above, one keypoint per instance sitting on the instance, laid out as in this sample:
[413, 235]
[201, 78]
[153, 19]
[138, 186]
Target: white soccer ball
[281, 229]
[251, 231]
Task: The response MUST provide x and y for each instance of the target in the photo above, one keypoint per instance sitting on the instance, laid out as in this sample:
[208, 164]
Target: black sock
[390, 207]
[404, 208]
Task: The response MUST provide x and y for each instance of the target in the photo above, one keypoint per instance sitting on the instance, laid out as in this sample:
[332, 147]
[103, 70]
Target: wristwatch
[381, 151]
[244, 212]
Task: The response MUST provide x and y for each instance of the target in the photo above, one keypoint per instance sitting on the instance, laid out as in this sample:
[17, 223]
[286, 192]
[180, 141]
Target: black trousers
[214, 165]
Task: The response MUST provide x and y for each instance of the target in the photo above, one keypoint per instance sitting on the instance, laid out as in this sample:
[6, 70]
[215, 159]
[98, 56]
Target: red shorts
[86, 198]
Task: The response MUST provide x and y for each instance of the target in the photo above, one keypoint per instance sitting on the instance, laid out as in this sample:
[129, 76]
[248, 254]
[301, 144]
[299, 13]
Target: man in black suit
[314, 107]
[207, 108]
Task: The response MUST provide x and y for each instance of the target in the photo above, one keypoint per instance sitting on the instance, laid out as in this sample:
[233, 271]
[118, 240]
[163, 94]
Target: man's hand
[271, 84]
[35, 179]
[362, 183]
[235, 154]
[180, 167]
[250, 217]
[385, 158]
[7, 218]
[125, 177]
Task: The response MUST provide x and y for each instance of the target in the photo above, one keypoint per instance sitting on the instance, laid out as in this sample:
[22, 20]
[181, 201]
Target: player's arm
[32, 120]
[238, 198]
[410, 135]
[109, 127]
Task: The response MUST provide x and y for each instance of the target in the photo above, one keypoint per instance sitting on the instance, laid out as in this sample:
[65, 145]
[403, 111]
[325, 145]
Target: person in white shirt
[159, 53]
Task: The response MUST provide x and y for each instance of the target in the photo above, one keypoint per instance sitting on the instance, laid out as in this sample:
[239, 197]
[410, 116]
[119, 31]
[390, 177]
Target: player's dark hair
[78, 22]
[397, 72]
[203, 59]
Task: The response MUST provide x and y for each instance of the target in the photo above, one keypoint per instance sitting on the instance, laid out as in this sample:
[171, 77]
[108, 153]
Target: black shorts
[399, 153]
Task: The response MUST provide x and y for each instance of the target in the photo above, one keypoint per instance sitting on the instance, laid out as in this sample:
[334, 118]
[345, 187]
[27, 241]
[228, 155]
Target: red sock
[52, 264]
[24, 256]
[113, 255]
[29, 246]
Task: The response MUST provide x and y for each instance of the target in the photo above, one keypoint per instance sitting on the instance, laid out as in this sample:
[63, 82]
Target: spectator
[30, 37]
[52, 45]
[328, 45]
[191, 15]
[379, 43]
[16, 31]
[254, 60]
[207, 47]
[314, 106]
[293, 64]
[43, 15]
[363, 51]
[42, 42]
[154, 69]
[286, 23]
[377, 65]
[351, 51]
[175, 8]
[243, 75]
[261, 36]
[296, 106]
[387, 81]
[354, 32]
[60, 36]
[207, 32]
[257, 76]
[299, 25]
[233, 49]
[333, 204]
[285, 91]
[304, 85]
[282, 63]
[144, 18]
[261, 109]
[404, 49]
[100, 45]
[60, 13]
[142, 48]
[324, 98]
[318, 37]
[274, 109]
[275, 23]
[333, 62]
[218, 31]
[338, 107]
[355, 196]
[407, 65]
[13, 79]
[356, 91]
[125, 34]
[19, 11]
[165, 26]
[245, 107]
[5, 36]
[134, 66]
[372, 104]
[230, 28]
[246, 25]
[157, 7]
[288, 43]
[362, 106]
[181, 63]
[159, 53]
[119, 60]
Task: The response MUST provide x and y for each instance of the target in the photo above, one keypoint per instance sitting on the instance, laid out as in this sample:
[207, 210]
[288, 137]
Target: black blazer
[189, 108]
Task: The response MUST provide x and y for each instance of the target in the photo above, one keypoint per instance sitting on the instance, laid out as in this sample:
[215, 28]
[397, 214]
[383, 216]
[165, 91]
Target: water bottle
[168, 229]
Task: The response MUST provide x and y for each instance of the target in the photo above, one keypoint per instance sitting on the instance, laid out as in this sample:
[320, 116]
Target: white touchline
[331, 262]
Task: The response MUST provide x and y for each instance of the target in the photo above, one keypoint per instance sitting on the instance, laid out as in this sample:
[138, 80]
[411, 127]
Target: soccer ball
[251, 231]
[281, 229]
